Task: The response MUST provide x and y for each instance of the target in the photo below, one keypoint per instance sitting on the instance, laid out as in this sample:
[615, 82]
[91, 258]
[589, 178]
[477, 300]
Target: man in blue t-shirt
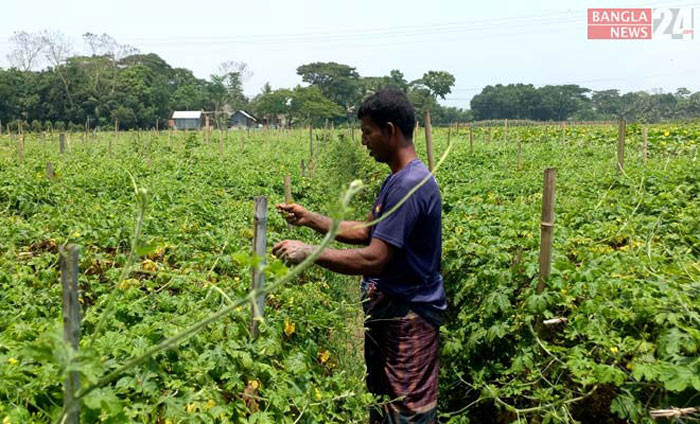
[402, 289]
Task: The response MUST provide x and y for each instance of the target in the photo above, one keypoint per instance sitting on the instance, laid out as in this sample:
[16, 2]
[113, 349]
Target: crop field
[165, 229]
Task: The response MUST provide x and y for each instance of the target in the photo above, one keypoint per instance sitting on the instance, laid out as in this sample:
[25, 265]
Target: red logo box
[619, 24]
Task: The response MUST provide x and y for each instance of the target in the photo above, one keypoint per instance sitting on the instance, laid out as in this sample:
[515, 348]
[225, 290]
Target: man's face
[377, 142]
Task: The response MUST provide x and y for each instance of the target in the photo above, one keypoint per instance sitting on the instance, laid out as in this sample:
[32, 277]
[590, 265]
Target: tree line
[564, 102]
[50, 85]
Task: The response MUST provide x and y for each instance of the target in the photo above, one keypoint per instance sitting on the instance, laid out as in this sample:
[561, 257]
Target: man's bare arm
[348, 232]
[369, 260]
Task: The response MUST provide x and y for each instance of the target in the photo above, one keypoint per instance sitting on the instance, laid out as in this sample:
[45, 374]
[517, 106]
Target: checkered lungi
[401, 352]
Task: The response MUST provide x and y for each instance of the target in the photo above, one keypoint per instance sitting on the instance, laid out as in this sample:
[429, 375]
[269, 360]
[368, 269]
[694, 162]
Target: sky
[490, 42]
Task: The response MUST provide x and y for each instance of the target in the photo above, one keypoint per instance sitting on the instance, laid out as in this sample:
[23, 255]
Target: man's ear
[390, 129]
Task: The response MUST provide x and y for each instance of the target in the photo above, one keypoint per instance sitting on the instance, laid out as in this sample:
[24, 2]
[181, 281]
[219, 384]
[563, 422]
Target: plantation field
[625, 276]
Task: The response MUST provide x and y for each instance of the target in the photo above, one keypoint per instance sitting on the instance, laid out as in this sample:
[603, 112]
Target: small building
[187, 119]
[243, 119]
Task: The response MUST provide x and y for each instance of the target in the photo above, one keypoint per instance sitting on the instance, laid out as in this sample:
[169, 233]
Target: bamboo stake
[429, 141]
[621, 130]
[520, 153]
[260, 249]
[563, 134]
[221, 142]
[645, 131]
[471, 139]
[62, 143]
[547, 226]
[71, 328]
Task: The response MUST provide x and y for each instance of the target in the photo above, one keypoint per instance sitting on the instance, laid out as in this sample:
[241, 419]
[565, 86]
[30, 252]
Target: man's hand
[294, 214]
[292, 251]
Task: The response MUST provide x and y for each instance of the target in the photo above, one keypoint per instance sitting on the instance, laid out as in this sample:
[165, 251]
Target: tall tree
[337, 82]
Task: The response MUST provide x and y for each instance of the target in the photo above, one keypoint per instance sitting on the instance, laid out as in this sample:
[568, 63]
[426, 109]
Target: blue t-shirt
[412, 276]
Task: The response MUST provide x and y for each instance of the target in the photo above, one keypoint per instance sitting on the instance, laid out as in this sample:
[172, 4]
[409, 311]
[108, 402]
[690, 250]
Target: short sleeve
[395, 228]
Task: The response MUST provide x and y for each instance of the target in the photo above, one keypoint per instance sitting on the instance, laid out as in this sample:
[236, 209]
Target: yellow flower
[149, 265]
[6, 420]
[128, 283]
[324, 356]
[13, 361]
[317, 394]
[614, 349]
[667, 133]
[210, 403]
[289, 328]
[254, 384]
[191, 407]
[563, 292]
[629, 366]
[75, 235]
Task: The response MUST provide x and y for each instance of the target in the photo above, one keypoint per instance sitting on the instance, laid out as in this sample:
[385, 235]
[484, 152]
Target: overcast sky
[537, 41]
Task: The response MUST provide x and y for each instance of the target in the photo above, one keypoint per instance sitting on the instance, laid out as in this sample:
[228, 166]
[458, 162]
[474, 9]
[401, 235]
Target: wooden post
[49, 170]
[303, 168]
[547, 226]
[311, 143]
[429, 141]
[260, 250]
[0, 127]
[352, 132]
[505, 136]
[325, 133]
[62, 143]
[520, 153]
[71, 328]
[20, 149]
[471, 139]
[563, 134]
[288, 189]
[221, 142]
[621, 130]
[645, 131]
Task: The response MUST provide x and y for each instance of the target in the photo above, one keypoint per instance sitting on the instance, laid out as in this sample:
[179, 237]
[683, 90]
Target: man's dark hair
[390, 105]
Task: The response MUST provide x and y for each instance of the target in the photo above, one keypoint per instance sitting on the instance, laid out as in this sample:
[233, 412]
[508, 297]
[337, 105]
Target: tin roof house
[187, 119]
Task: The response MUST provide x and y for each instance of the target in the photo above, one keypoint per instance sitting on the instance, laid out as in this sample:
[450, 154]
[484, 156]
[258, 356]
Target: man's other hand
[294, 214]
[292, 251]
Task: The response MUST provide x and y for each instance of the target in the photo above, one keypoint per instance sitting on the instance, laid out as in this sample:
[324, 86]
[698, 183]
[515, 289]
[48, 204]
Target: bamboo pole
[520, 153]
[71, 328]
[429, 141]
[260, 250]
[563, 134]
[62, 143]
[645, 134]
[621, 130]
[547, 226]
[221, 142]
[311, 143]
[471, 139]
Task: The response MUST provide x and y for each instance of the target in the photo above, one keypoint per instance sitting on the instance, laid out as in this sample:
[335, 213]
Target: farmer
[402, 291]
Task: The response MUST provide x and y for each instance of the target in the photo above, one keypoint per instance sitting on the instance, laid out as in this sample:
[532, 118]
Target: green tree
[337, 82]
[308, 104]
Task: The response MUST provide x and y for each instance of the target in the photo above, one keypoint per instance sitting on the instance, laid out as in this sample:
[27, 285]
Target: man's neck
[403, 157]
